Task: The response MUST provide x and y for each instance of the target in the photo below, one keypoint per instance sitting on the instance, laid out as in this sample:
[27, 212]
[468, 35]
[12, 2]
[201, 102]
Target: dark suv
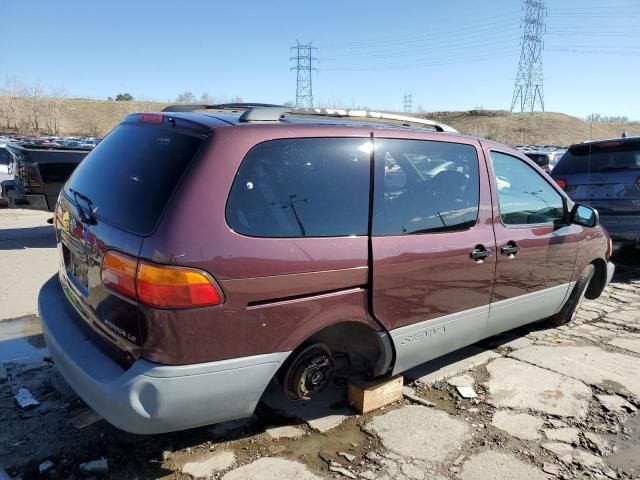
[606, 175]
[204, 255]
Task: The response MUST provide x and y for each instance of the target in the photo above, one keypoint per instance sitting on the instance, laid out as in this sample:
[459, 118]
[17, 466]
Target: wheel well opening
[358, 349]
[597, 284]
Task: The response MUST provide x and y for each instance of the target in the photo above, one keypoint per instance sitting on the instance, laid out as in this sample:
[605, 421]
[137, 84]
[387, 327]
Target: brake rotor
[311, 371]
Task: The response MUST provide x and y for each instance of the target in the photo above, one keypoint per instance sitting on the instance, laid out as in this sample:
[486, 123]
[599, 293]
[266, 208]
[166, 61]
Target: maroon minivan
[206, 253]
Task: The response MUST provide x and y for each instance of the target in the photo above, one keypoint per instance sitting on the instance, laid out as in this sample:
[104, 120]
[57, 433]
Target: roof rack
[406, 120]
[191, 107]
[265, 112]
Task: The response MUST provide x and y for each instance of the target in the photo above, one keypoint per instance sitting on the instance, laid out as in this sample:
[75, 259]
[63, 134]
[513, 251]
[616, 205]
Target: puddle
[21, 338]
[339, 439]
[626, 449]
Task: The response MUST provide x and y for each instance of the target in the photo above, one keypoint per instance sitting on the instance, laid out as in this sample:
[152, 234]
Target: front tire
[568, 311]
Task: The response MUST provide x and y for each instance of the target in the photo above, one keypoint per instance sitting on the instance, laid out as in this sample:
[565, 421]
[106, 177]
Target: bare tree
[207, 99]
[186, 97]
[35, 106]
[53, 106]
[10, 95]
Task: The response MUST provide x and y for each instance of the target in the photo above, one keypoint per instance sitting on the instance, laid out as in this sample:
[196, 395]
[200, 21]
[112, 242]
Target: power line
[407, 102]
[528, 89]
[304, 67]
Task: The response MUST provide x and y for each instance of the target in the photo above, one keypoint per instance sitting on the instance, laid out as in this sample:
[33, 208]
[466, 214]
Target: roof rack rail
[191, 107]
[334, 112]
[266, 112]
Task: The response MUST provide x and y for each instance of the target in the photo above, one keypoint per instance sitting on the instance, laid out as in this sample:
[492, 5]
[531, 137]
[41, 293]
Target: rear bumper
[622, 228]
[149, 398]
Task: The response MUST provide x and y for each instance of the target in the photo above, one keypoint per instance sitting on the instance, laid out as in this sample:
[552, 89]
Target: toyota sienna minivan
[206, 251]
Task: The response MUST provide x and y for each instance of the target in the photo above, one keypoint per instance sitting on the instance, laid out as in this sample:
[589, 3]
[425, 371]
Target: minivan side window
[302, 187]
[524, 197]
[424, 186]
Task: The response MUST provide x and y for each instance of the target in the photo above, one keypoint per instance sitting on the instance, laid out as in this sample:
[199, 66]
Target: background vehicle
[246, 245]
[606, 175]
[37, 173]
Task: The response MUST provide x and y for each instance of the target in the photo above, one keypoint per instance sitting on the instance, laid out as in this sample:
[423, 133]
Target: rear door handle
[510, 249]
[479, 253]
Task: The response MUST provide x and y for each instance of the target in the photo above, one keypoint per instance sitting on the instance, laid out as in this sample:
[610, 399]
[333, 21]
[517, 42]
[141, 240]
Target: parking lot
[551, 403]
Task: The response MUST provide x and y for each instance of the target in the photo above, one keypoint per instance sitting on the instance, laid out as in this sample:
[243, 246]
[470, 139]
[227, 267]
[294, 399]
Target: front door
[433, 245]
[536, 245]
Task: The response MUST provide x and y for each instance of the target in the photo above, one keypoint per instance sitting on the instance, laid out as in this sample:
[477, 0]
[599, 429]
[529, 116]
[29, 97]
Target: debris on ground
[86, 418]
[347, 456]
[466, 391]
[95, 466]
[342, 471]
[410, 394]
[45, 466]
[25, 399]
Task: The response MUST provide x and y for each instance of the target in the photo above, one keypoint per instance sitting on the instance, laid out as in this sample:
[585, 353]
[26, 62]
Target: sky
[454, 55]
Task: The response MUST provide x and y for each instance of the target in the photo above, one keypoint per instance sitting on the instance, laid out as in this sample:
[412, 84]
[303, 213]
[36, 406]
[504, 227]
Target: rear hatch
[605, 175]
[113, 200]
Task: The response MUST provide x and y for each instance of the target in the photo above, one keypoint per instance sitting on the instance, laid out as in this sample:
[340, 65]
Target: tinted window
[131, 174]
[524, 196]
[310, 187]
[594, 158]
[424, 186]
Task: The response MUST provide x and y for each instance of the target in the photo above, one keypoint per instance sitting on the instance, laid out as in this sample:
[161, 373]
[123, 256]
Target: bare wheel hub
[310, 371]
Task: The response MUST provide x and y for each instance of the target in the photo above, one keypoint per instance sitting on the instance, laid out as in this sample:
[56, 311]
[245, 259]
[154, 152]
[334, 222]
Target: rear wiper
[617, 167]
[87, 216]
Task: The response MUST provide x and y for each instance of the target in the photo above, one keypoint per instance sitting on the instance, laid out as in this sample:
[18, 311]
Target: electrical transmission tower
[528, 92]
[304, 66]
[408, 100]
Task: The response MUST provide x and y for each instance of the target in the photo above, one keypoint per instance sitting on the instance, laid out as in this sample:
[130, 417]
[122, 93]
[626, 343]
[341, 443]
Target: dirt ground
[551, 403]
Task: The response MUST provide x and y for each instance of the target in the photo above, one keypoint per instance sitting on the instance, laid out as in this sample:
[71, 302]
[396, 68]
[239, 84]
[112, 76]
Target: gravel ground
[552, 403]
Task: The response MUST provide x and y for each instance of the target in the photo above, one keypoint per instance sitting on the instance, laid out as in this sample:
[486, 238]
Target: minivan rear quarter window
[131, 174]
[305, 187]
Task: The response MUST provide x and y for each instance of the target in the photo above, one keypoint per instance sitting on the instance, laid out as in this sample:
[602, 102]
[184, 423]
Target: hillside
[65, 116]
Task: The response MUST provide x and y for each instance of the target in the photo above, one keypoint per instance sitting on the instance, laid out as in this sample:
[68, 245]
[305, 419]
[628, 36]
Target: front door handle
[510, 249]
[479, 253]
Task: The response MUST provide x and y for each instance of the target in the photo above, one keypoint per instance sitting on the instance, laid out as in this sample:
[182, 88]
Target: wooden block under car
[368, 396]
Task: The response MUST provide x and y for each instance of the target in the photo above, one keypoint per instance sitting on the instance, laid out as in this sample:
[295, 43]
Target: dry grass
[97, 117]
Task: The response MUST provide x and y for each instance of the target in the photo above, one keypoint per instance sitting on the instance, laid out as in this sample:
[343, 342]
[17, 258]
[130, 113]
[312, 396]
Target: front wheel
[568, 311]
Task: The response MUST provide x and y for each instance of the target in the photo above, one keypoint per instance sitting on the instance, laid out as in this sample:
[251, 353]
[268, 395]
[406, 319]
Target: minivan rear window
[131, 174]
[598, 158]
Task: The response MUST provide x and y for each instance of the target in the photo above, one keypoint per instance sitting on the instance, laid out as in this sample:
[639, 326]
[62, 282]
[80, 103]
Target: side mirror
[585, 216]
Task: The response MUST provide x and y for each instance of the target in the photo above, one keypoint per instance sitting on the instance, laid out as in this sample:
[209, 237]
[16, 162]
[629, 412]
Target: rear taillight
[562, 183]
[159, 286]
[28, 174]
[119, 273]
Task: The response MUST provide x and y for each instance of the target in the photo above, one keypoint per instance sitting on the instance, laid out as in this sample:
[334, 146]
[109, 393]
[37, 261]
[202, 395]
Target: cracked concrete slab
[519, 425]
[273, 469]
[592, 365]
[207, 466]
[566, 435]
[420, 432]
[521, 386]
[494, 465]
[286, 431]
[561, 450]
[631, 344]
